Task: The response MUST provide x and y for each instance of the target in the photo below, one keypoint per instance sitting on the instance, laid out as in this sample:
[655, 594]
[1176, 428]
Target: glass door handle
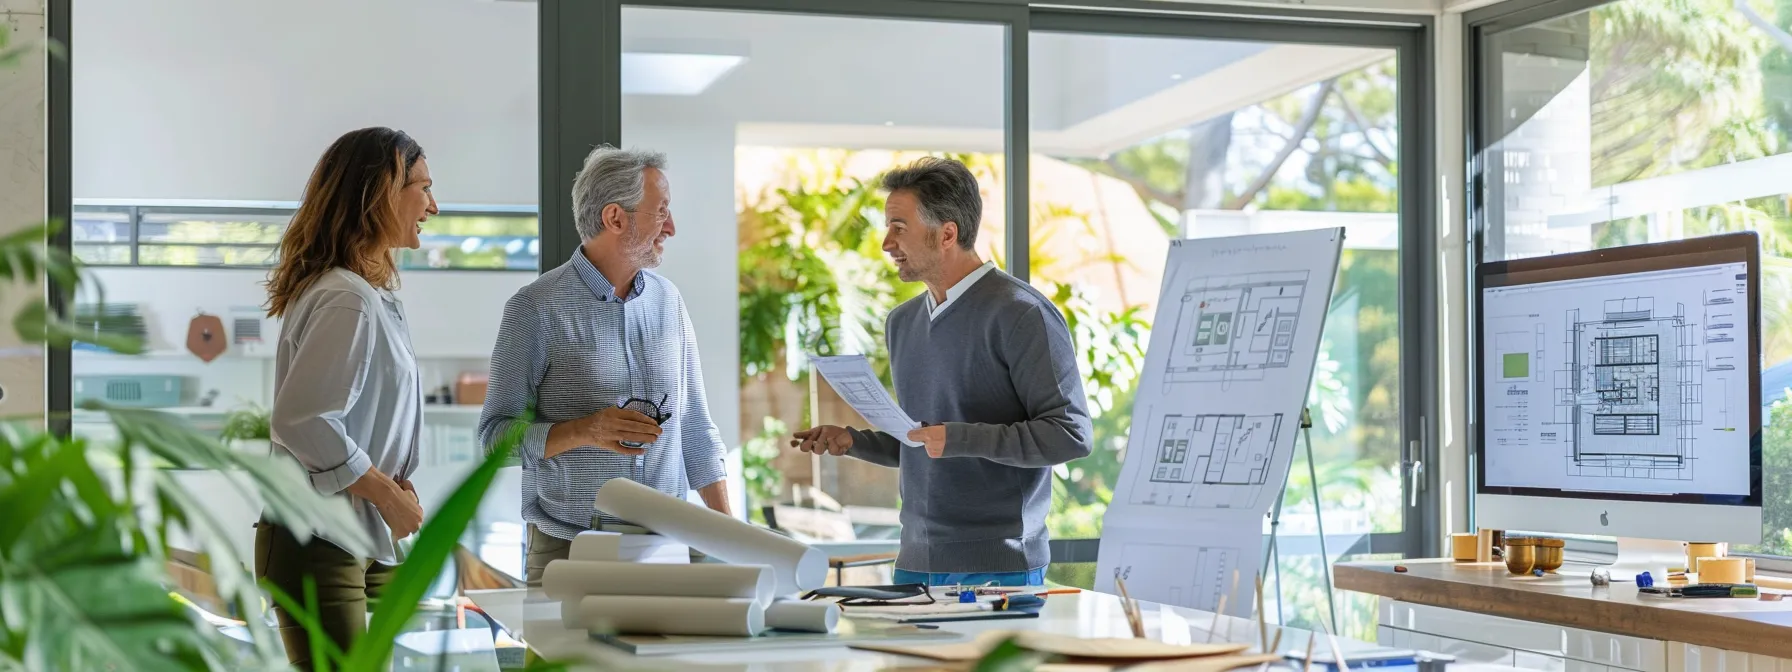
[1417, 470]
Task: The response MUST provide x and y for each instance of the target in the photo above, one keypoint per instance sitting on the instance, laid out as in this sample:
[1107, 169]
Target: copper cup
[1549, 554]
[1520, 555]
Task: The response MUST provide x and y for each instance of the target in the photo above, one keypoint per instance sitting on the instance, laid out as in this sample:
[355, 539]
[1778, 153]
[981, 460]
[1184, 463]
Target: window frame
[580, 106]
[580, 85]
[136, 211]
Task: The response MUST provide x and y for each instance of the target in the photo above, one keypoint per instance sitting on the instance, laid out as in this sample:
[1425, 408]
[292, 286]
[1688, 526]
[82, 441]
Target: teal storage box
[134, 391]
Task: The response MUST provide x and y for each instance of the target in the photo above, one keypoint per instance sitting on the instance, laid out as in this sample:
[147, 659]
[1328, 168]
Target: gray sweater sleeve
[1042, 368]
[875, 447]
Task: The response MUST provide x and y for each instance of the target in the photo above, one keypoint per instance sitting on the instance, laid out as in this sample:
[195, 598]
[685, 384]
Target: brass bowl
[1520, 555]
[1549, 554]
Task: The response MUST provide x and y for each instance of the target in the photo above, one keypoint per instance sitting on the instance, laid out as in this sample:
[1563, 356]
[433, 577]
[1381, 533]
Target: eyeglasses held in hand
[648, 408]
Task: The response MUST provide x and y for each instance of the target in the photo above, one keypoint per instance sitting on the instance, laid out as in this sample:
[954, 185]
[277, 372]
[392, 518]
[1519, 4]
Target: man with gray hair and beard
[602, 350]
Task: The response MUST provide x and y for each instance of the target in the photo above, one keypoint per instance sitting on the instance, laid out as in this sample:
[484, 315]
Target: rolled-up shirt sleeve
[704, 451]
[325, 377]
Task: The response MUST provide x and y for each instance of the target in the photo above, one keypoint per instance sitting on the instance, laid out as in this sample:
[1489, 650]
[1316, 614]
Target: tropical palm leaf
[81, 587]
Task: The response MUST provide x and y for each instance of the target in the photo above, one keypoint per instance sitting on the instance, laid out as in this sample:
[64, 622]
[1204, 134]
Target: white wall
[219, 99]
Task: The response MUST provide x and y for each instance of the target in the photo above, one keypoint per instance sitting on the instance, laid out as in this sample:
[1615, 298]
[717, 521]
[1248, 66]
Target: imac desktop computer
[1619, 394]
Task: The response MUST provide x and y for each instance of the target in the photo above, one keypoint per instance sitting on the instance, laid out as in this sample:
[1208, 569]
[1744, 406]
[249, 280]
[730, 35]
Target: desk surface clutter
[1745, 625]
[533, 617]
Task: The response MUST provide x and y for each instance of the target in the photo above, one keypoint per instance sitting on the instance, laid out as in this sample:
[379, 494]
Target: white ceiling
[218, 88]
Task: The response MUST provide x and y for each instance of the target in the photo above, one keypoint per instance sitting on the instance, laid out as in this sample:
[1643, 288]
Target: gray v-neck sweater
[998, 368]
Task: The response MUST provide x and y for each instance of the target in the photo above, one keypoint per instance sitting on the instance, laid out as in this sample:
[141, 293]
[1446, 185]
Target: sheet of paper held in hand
[852, 378]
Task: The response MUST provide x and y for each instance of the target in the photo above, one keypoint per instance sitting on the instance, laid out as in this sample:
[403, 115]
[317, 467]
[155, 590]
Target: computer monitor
[1619, 393]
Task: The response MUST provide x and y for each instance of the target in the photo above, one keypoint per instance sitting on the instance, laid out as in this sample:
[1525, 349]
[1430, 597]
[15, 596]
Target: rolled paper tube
[802, 616]
[569, 580]
[798, 567]
[647, 615]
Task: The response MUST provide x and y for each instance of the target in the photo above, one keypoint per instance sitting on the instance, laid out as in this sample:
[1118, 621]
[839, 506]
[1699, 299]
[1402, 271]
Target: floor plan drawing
[1233, 327]
[1200, 575]
[1214, 419]
[1629, 392]
[1197, 456]
[858, 392]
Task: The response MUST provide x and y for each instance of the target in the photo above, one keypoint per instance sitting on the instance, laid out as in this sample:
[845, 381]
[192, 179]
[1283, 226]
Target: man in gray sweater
[986, 363]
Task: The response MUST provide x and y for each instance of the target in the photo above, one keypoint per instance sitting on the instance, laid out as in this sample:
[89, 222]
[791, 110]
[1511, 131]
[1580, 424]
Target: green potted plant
[247, 429]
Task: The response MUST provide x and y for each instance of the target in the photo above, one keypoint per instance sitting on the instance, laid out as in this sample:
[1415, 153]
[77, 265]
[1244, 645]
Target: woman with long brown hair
[348, 404]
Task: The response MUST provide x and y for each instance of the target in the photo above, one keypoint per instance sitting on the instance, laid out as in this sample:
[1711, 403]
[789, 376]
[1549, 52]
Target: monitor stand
[1636, 556]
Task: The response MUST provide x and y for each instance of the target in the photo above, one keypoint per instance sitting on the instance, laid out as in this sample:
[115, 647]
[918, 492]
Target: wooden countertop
[1733, 624]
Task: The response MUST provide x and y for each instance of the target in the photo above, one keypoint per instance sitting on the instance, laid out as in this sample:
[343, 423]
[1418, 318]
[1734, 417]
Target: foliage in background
[765, 484]
[1110, 357]
[1776, 479]
[250, 423]
[813, 276]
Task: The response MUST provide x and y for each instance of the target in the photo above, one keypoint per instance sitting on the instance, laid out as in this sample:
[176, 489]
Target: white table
[535, 619]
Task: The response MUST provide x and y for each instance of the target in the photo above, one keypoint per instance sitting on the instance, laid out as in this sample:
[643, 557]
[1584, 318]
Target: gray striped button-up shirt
[569, 347]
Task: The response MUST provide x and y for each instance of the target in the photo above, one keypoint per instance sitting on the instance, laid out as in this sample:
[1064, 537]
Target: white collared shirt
[933, 311]
[347, 396]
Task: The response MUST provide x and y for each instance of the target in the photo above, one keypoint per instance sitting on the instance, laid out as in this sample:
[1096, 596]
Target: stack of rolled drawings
[603, 586]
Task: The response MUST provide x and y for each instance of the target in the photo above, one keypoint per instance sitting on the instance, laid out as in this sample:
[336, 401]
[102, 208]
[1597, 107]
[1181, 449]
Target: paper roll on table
[569, 580]
[802, 616]
[703, 616]
[717, 535]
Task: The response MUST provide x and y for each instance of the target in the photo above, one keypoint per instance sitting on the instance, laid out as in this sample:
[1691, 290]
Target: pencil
[1336, 652]
[1262, 626]
[1130, 608]
[1216, 621]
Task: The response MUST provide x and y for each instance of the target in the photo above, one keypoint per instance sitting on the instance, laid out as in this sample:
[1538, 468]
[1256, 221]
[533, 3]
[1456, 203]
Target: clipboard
[970, 616]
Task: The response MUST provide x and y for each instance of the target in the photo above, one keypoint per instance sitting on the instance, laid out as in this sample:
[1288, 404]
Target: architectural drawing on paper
[858, 392]
[1212, 451]
[1629, 394]
[1196, 579]
[1233, 327]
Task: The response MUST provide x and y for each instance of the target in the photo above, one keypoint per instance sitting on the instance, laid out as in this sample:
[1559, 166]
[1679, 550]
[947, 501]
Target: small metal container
[1549, 554]
[1520, 555]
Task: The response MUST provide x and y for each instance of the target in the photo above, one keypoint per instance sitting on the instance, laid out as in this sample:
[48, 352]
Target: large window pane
[777, 126]
[1654, 120]
[1138, 141]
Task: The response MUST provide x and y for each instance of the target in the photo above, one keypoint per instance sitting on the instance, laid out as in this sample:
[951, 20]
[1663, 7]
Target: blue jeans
[1029, 578]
